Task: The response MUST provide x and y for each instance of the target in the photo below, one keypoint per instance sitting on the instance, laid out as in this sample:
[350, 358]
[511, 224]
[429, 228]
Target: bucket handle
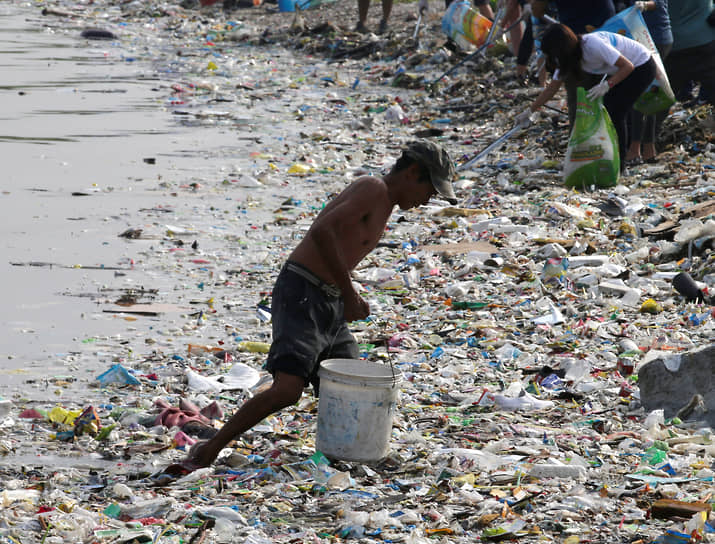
[389, 358]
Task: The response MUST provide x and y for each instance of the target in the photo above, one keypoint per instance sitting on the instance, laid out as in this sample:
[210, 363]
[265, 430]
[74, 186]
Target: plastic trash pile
[518, 318]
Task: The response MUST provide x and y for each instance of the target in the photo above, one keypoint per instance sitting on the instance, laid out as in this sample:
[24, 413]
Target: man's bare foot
[182, 468]
[200, 455]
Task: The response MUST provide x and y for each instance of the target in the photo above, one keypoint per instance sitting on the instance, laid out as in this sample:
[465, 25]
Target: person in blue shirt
[693, 54]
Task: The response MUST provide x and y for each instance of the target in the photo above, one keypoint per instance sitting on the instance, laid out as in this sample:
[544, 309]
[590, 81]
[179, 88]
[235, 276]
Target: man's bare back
[342, 234]
[357, 218]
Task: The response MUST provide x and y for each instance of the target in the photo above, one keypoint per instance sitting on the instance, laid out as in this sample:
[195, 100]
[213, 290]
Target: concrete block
[671, 382]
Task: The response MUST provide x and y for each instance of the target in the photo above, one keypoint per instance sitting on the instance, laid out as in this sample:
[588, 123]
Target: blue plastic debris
[119, 375]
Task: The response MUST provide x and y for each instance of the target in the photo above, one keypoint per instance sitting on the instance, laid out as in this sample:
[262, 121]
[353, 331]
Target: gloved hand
[641, 6]
[598, 90]
[523, 119]
[526, 11]
[423, 6]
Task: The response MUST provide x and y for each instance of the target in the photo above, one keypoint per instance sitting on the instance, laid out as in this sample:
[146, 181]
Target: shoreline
[232, 147]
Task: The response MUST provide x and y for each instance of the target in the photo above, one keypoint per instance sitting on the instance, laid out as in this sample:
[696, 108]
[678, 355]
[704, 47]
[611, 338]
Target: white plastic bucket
[355, 409]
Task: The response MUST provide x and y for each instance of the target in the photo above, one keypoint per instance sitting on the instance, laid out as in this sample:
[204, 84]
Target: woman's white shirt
[601, 50]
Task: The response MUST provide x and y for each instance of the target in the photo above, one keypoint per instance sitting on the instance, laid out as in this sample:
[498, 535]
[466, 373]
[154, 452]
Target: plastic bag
[462, 23]
[659, 95]
[592, 155]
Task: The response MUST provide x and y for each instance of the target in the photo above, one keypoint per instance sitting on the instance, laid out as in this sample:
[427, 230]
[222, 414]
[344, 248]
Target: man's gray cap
[438, 163]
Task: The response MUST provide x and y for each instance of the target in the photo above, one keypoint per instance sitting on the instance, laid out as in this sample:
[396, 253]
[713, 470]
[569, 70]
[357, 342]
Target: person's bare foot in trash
[194, 460]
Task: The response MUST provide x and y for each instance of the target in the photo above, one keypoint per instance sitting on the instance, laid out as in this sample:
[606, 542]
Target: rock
[672, 382]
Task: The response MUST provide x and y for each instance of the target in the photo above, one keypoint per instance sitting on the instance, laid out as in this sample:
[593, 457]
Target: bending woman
[626, 66]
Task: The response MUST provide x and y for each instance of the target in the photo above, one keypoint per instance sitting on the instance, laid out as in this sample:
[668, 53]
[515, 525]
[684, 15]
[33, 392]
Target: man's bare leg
[285, 390]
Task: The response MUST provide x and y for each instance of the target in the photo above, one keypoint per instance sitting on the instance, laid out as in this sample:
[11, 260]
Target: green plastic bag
[592, 156]
[659, 95]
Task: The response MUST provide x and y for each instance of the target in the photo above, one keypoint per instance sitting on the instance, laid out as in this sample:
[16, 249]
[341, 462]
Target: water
[95, 140]
[86, 143]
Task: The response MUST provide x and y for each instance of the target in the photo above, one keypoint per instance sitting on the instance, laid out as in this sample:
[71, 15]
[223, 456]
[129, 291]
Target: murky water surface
[88, 143]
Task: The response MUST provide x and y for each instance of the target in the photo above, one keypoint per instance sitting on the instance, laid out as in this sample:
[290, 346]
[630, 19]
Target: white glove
[523, 119]
[423, 6]
[599, 90]
[526, 11]
[641, 6]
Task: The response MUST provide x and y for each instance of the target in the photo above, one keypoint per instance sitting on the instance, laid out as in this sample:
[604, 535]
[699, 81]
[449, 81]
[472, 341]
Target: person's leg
[304, 324]
[695, 64]
[676, 66]
[526, 47]
[706, 69]
[515, 35]
[650, 135]
[363, 7]
[342, 346]
[571, 85]
[386, 10]
[618, 118]
[639, 123]
[648, 152]
[620, 99]
[285, 390]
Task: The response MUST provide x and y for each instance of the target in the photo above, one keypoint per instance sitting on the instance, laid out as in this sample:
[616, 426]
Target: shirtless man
[314, 297]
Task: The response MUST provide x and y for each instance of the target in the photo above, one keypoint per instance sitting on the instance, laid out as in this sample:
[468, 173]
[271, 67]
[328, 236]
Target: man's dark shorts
[308, 325]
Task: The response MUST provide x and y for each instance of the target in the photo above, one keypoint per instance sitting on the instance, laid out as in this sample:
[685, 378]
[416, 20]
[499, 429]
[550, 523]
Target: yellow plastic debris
[63, 416]
[300, 169]
[650, 306]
